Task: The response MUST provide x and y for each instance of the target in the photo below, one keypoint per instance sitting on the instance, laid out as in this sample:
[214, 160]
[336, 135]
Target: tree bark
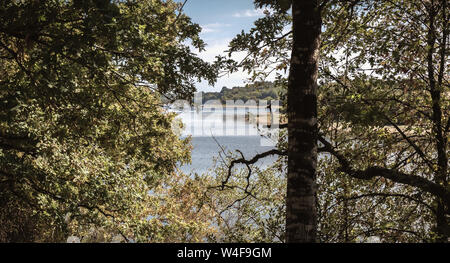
[301, 218]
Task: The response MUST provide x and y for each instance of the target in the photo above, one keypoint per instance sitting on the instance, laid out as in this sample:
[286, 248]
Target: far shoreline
[233, 106]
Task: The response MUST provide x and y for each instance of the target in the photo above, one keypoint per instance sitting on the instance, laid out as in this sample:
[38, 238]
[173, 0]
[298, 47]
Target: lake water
[212, 129]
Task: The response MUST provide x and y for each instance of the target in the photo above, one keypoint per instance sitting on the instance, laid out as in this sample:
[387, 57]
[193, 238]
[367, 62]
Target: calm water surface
[227, 128]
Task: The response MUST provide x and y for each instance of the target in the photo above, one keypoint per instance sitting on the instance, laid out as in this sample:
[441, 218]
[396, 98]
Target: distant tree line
[256, 91]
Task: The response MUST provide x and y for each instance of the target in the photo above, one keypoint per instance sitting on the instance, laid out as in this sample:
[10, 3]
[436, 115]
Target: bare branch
[393, 175]
[390, 195]
[251, 161]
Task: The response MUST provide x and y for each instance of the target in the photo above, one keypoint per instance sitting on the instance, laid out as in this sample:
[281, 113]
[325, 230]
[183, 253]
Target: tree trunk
[301, 219]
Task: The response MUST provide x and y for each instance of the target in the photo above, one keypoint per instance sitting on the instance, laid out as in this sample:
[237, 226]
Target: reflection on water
[205, 148]
[229, 129]
[218, 122]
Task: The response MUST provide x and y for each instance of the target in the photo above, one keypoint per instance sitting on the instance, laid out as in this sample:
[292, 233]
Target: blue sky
[221, 20]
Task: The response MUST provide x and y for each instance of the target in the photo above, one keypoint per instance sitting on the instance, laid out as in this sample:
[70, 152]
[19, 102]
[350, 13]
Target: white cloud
[215, 27]
[213, 49]
[250, 13]
[239, 78]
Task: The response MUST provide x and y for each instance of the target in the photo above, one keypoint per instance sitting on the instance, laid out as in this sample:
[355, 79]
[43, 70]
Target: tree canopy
[82, 137]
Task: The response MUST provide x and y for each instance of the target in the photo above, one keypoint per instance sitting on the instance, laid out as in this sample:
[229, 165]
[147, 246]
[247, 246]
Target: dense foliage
[383, 117]
[82, 137]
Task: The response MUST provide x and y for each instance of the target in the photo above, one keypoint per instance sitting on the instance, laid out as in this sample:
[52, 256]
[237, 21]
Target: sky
[221, 21]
